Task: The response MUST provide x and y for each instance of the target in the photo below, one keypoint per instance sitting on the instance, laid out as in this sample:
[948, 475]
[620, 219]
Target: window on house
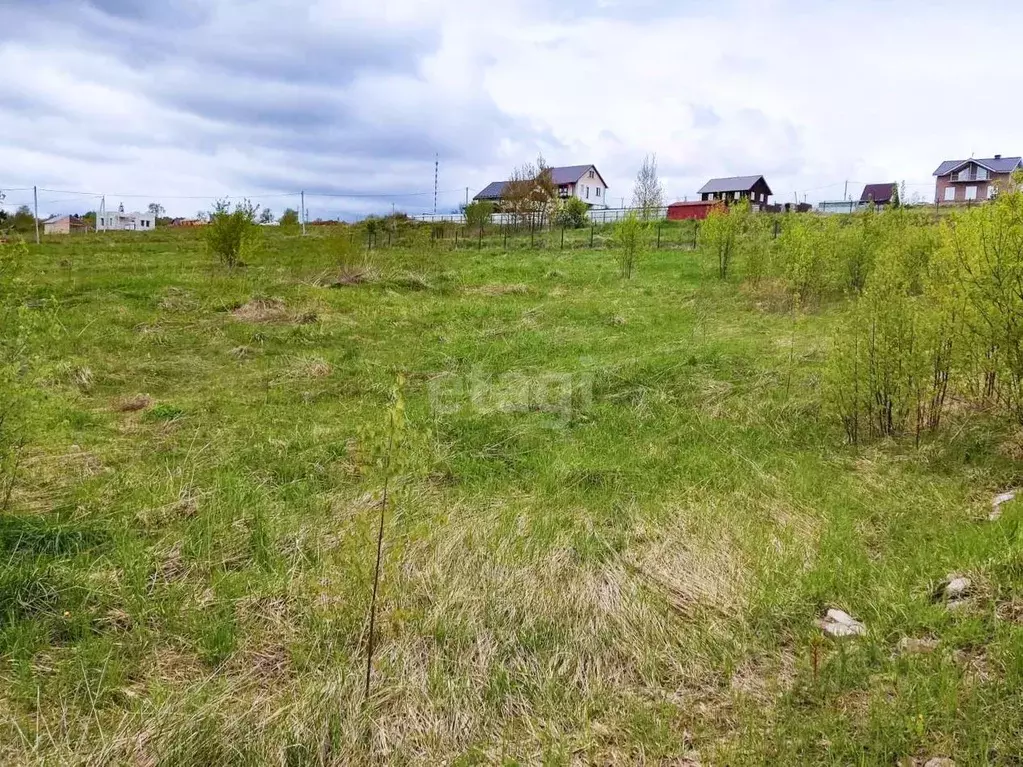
[991, 191]
[591, 174]
[981, 174]
[950, 194]
[971, 193]
[587, 193]
[598, 191]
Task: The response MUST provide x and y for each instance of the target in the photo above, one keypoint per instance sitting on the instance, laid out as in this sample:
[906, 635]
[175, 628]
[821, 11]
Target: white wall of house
[113, 220]
[590, 189]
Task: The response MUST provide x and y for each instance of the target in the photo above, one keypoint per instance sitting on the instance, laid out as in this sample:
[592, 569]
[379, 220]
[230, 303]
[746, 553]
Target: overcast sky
[180, 101]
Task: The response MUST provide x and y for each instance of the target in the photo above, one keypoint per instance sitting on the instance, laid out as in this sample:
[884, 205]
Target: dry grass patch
[132, 403]
[773, 296]
[260, 310]
[314, 368]
[514, 289]
[355, 275]
[693, 574]
[178, 300]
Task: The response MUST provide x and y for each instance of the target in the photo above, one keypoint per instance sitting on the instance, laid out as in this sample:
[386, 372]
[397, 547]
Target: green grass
[631, 574]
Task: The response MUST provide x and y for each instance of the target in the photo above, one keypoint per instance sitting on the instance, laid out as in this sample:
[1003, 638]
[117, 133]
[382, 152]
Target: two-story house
[582, 181]
[963, 181]
[752, 188]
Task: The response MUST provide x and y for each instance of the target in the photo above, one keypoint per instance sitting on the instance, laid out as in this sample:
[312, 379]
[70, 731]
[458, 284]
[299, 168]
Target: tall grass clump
[231, 234]
[352, 259]
[14, 328]
[627, 234]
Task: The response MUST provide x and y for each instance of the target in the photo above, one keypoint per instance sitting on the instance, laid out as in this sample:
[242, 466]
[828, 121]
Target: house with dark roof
[964, 181]
[752, 188]
[582, 181]
[879, 195]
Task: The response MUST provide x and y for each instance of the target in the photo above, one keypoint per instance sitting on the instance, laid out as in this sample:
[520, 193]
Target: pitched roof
[878, 192]
[572, 173]
[569, 174]
[732, 184]
[993, 164]
[491, 191]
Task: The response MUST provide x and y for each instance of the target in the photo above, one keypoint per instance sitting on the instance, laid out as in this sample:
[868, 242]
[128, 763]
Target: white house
[117, 221]
[582, 181]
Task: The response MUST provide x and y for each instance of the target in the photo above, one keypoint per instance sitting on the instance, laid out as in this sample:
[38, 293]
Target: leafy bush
[719, 234]
[982, 258]
[289, 218]
[892, 364]
[478, 214]
[574, 214]
[231, 234]
[941, 314]
[753, 245]
[626, 241]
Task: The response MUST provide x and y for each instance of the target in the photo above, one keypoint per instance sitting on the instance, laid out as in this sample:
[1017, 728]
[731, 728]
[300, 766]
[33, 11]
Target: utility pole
[467, 197]
[436, 173]
[303, 212]
[35, 198]
[845, 194]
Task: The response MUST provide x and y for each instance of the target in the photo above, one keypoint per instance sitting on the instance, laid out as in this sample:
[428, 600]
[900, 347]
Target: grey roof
[993, 164]
[731, 184]
[571, 173]
[559, 176]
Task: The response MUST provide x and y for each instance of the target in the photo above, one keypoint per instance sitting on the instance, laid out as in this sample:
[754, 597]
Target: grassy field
[618, 511]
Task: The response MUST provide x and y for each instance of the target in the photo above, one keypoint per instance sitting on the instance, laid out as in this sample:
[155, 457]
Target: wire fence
[512, 235]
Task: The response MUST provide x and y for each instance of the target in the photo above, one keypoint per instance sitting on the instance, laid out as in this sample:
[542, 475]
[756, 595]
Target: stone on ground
[838, 623]
[997, 501]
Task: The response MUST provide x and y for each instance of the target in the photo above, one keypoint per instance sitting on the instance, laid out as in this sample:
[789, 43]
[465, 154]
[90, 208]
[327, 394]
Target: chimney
[998, 157]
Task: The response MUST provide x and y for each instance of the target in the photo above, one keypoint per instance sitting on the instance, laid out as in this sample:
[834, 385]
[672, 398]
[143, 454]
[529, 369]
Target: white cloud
[188, 99]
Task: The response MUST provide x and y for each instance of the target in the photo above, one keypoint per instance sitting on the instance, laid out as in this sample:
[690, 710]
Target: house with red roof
[878, 195]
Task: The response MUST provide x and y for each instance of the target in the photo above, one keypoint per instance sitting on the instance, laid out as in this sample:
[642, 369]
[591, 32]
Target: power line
[379, 195]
